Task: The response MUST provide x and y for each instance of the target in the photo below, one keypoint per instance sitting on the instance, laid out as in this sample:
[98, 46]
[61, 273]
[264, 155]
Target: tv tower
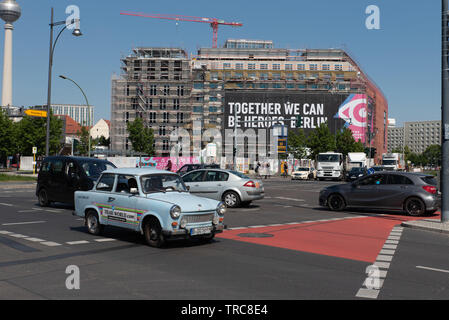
[9, 12]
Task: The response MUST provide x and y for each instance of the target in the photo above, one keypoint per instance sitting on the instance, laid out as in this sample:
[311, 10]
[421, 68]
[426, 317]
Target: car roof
[75, 158]
[138, 171]
[410, 174]
[212, 169]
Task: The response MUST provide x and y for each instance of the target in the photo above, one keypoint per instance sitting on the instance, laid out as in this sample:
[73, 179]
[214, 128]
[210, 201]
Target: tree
[321, 140]
[297, 144]
[346, 143]
[83, 146]
[7, 136]
[432, 155]
[102, 141]
[32, 132]
[141, 137]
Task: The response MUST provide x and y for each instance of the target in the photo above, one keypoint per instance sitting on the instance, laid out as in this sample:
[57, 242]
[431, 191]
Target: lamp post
[88, 106]
[76, 33]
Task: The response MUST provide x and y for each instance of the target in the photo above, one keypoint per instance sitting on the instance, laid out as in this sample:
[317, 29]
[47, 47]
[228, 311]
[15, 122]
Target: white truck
[330, 166]
[393, 161]
[356, 160]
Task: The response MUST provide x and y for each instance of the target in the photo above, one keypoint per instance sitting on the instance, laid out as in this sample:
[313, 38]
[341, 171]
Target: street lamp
[76, 33]
[88, 106]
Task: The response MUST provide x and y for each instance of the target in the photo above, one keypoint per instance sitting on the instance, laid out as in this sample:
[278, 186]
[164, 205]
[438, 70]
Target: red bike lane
[359, 238]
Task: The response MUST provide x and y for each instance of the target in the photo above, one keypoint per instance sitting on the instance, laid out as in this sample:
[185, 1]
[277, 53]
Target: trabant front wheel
[153, 233]
[93, 223]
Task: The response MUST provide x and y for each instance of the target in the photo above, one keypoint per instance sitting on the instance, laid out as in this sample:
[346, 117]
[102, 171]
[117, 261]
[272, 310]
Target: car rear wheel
[231, 199]
[336, 202]
[415, 207]
[93, 223]
[43, 198]
[153, 233]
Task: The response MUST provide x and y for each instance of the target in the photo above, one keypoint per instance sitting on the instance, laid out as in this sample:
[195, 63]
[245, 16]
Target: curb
[428, 225]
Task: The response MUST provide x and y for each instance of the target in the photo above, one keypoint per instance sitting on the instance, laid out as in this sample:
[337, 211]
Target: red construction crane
[214, 23]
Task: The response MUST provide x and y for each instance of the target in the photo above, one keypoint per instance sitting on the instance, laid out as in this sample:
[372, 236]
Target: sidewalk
[428, 225]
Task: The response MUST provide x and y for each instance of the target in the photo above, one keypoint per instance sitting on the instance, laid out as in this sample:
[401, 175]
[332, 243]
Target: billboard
[264, 109]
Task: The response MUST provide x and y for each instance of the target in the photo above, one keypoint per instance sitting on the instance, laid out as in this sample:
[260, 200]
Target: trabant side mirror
[134, 191]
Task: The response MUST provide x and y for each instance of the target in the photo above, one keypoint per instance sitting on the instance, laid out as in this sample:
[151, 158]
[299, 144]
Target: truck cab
[330, 166]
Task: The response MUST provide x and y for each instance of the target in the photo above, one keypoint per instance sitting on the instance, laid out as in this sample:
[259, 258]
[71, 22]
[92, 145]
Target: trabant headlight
[175, 212]
[183, 223]
[221, 209]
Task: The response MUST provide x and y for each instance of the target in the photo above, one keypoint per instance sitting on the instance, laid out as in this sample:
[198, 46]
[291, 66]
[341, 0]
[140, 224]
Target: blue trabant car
[153, 202]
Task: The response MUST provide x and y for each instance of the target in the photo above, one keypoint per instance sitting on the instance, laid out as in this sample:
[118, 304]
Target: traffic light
[298, 122]
[234, 151]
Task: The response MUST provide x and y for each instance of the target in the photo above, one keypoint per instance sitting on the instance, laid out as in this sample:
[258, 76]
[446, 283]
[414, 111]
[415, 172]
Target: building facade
[82, 114]
[417, 136]
[155, 85]
[326, 85]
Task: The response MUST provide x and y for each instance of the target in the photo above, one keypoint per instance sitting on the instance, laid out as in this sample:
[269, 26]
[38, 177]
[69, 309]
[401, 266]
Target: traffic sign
[371, 171]
[36, 113]
[34, 150]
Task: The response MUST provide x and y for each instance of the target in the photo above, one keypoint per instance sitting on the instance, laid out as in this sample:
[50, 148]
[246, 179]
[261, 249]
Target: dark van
[60, 177]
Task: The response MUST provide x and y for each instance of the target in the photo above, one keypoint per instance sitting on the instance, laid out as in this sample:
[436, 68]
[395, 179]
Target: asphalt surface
[282, 247]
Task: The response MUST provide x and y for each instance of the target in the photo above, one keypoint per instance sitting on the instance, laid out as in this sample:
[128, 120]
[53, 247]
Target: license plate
[198, 231]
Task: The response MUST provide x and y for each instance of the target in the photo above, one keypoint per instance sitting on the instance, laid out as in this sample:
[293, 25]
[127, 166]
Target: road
[281, 247]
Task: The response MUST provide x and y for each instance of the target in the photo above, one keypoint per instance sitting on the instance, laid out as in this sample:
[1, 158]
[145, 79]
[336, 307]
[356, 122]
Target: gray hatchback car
[415, 193]
[232, 187]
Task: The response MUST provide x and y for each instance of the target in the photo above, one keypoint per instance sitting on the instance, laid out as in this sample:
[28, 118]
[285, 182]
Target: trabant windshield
[162, 183]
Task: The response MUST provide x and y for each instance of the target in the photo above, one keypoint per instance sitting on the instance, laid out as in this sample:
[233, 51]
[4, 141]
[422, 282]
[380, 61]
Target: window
[226, 66]
[180, 118]
[263, 66]
[374, 180]
[153, 90]
[276, 76]
[251, 66]
[301, 67]
[288, 67]
[166, 90]
[175, 104]
[198, 85]
[165, 117]
[239, 66]
[264, 76]
[196, 176]
[56, 166]
[216, 176]
[213, 99]
[276, 66]
[198, 109]
[125, 183]
[326, 67]
[180, 91]
[338, 67]
[213, 86]
[106, 182]
[213, 109]
[238, 75]
[163, 104]
[313, 67]
[398, 179]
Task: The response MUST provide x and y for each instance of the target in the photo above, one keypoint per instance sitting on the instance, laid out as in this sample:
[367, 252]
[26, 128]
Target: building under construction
[169, 89]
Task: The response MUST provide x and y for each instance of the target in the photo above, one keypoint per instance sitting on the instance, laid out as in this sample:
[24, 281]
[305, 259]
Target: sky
[403, 57]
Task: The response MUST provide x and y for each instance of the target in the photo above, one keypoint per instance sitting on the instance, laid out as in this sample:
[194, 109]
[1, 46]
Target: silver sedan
[232, 187]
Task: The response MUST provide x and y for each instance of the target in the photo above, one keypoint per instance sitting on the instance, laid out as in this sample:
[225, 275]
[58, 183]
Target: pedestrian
[257, 168]
[267, 170]
[285, 169]
[169, 165]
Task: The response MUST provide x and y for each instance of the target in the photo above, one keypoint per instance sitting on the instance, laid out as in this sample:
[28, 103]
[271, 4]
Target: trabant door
[121, 208]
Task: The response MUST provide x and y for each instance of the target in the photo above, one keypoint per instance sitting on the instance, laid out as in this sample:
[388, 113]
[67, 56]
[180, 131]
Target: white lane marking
[105, 240]
[22, 223]
[378, 271]
[386, 251]
[77, 242]
[367, 293]
[6, 204]
[5, 232]
[24, 211]
[432, 269]
[50, 244]
[291, 199]
[34, 239]
[16, 235]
